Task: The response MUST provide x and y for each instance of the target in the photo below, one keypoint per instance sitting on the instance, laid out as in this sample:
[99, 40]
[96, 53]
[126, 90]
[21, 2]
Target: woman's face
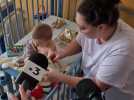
[85, 28]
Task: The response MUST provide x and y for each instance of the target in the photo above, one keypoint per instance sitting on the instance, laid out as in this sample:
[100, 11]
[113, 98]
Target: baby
[41, 42]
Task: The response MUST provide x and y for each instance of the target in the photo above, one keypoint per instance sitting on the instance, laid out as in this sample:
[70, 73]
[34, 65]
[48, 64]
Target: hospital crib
[17, 17]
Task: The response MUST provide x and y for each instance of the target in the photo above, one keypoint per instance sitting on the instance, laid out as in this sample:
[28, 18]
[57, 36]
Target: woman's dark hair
[98, 12]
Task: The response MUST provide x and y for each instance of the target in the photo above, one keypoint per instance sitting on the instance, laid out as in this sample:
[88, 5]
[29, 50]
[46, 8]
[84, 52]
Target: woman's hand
[52, 75]
[55, 55]
[24, 95]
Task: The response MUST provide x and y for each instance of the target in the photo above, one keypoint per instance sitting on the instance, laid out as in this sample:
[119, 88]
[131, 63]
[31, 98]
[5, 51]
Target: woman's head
[42, 34]
[93, 14]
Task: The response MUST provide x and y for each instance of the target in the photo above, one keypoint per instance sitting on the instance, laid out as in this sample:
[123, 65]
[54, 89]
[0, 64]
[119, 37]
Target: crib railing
[17, 17]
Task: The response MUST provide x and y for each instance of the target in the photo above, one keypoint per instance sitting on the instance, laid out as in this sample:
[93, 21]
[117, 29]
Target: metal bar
[3, 93]
[22, 17]
[70, 93]
[58, 92]
[33, 12]
[46, 8]
[37, 3]
[63, 95]
[43, 10]
[15, 86]
[52, 7]
[9, 83]
[27, 14]
[55, 7]
[16, 17]
[60, 7]
[3, 31]
[2, 23]
[9, 17]
[1, 89]
[52, 93]
[52, 98]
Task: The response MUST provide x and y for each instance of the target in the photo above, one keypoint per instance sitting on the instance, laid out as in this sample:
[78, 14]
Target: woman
[106, 43]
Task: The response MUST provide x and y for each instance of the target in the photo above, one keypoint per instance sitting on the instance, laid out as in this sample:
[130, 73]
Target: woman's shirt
[111, 62]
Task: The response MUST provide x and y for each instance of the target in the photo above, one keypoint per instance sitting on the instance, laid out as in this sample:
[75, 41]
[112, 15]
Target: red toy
[37, 92]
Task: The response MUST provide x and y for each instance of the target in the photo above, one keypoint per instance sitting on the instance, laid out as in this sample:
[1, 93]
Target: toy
[3, 78]
[3, 95]
[5, 81]
[42, 89]
[58, 23]
[6, 74]
[37, 92]
[20, 62]
[16, 50]
[67, 35]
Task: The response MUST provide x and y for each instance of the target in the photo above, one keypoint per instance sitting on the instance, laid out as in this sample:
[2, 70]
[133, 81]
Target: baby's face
[42, 45]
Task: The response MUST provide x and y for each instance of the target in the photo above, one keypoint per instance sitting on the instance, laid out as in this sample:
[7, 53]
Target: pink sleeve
[29, 49]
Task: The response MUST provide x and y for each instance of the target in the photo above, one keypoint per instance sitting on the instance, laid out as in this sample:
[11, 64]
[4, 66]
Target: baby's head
[42, 35]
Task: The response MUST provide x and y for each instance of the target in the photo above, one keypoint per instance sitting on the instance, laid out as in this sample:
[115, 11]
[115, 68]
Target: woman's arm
[72, 81]
[71, 49]
[101, 85]
[56, 76]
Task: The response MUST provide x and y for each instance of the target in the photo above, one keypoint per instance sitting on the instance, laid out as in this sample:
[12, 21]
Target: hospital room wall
[128, 14]
[30, 9]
